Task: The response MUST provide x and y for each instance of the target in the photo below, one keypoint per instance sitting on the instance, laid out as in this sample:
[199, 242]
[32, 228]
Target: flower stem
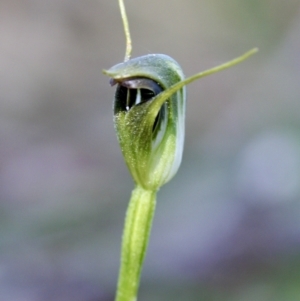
[135, 241]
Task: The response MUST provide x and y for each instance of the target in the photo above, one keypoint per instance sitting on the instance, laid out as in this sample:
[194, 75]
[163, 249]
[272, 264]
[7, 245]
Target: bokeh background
[227, 227]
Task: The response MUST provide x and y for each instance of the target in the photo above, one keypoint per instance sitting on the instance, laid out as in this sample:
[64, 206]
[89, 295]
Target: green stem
[135, 241]
[126, 30]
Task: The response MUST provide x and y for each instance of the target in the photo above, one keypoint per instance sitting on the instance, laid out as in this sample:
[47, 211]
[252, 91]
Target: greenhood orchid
[149, 117]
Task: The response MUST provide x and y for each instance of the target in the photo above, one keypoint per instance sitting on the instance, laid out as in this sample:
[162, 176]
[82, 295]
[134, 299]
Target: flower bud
[149, 123]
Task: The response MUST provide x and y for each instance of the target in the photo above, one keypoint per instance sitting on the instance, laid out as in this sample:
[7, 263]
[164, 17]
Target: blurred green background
[227, 227]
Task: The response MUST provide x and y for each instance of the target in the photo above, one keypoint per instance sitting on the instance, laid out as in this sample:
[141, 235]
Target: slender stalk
[126, 30]
[135, 241]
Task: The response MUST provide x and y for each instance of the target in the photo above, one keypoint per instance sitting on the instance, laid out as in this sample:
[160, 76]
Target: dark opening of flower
[135, 91]
[131, 92]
